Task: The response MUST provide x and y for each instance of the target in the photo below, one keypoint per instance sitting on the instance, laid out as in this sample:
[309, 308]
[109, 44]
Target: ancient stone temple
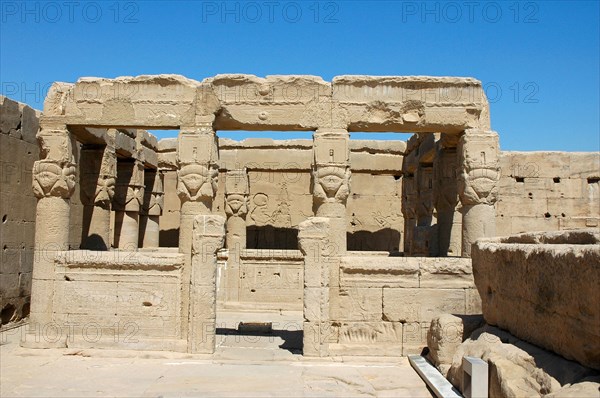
[371, 240]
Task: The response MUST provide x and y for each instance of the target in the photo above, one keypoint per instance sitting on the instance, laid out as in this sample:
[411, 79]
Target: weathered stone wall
[120, 299]
[543, 288]
[548, 191]
[383, 305]
[268, 279]
[18, 150]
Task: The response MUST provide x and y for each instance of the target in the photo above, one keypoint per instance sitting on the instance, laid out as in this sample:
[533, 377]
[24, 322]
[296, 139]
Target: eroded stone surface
[543, 289]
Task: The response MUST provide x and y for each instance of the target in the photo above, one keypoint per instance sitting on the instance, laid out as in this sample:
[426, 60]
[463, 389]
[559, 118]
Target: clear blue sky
[539, 61]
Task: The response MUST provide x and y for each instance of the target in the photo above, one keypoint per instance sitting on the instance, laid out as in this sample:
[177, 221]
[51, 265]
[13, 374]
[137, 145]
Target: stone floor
[253, 364]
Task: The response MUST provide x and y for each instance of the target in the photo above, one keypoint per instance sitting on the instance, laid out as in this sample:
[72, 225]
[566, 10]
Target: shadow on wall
[169, 238]
[269, 237]
[386, 239]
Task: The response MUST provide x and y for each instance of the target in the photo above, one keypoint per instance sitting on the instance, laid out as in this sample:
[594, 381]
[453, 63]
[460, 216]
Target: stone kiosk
[116, 279]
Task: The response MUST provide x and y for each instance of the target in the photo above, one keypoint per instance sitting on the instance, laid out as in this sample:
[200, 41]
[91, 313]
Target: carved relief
[282, 216]
[53, 179]
[197, 181]
[479, 159]
[331, 184]
[261, 214]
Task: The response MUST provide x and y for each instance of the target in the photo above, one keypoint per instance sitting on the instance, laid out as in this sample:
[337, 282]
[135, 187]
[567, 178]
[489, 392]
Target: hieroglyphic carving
[479, 159]
[261, 214]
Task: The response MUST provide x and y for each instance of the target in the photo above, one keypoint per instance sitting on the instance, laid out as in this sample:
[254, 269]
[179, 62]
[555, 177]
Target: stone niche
[543, 288]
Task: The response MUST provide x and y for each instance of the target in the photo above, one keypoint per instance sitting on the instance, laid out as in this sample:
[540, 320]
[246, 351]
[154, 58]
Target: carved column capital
[51, 178]
[129, 189]
[55, 174]
[331, 168]
[331, 184]
[197, 182]
[479, 159]
[197, 154]
[237, 190]
[98, 176]
[153, 193]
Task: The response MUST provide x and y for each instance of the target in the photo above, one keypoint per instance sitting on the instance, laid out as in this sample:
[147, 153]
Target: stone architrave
[410, 197]
[98, 175]
[54, 180]
[127, 203]
[151, 208]
[479, 153]
[208, 236]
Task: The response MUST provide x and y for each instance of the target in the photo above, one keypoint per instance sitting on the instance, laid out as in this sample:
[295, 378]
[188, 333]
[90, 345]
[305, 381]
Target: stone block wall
[267, 279]
[548, 191]
[18, 150]
[101, 299]
[384, 305]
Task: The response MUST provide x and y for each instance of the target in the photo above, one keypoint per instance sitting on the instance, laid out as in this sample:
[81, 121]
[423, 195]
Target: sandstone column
[313, 237]
[208, 235]
[236, 208]
[54, 179]
[151, 208]
[129, 196]
[449, 219]
[425, 235]
[331, 182]
[197, 177]
[97, 167]
[409, 200]
[478, 185]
